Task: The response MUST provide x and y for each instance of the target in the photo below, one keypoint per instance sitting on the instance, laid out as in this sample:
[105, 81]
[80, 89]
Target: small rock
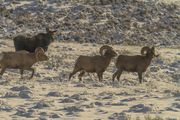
[154, 69]
[176, 94]
[78, 97]
[140, 108]
[43, 113]
[67, 100]
[98, 103]
[10, 95]
[42, 118]
[54, 115]
[98, 85]
[19, 88]
[25, 94]
[176, 105]
[24, 113]
[72, 109]
[41, 105]
[54, 94]
[175, 64]
[5, 107]
[80, 85]
[119, 116]
[128, 99]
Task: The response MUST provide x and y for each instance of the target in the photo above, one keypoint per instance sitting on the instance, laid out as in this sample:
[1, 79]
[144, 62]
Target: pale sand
[91, 99]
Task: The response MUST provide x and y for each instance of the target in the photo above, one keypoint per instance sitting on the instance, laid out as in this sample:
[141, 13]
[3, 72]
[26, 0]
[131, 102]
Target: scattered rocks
[11, 95]
[80, 85]
[5, 107]
[123, 93]
[54, 94]
[42, 118]
[105, 95]
[119, 116]
[176, 94]
[25, 94]
[98, 85]
[176, 105]
[41, 105]
[128, 100]
[91, 105]
[78, 97]
[140, 108]
[24, 112]
[126, 22]
[176, 77]
[54, 115]
[3, 81]
[175, 64]
[116, 104]
[72, 109]
[67, 100]
[98, 103]
[171, 109]
[19, 88]
[154, 69]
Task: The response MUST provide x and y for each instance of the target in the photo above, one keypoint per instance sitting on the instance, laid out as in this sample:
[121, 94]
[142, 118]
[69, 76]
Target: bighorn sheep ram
[22, 60]
[94, 64]
[137, 63]
[29, 44]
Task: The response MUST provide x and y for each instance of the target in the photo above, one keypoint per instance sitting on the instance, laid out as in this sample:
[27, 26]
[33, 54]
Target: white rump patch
[1, 56]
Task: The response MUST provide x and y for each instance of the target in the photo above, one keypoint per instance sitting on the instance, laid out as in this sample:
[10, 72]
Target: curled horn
[39, 51]
[50, 31]
[144, 49]
[104, 47]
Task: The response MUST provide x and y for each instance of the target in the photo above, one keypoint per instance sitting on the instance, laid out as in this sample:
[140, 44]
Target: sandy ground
[49, 95]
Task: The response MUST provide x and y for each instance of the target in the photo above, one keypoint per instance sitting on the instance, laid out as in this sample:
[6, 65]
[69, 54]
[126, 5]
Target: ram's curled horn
[39, 50]
[146, 48]
[104, 47]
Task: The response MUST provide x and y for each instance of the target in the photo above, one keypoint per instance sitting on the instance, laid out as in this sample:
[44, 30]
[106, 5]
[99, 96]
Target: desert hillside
[132, 22]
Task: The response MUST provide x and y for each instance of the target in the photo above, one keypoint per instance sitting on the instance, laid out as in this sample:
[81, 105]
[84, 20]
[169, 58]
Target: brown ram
[137, 63]
[22, 60]
[94, 64]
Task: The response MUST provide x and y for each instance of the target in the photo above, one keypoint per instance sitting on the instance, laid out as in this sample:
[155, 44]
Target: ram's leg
[119, 74]
[140, 77]
[114, 75]
[21, 72]
[100, 76]
[80, 75]
[74, 72]
[31, 69]
[2, 71]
